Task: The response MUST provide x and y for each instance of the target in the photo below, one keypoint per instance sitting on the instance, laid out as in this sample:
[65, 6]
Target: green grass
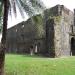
[26, 65]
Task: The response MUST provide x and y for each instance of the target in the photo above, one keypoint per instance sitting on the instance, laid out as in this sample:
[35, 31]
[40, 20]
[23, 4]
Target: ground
[30, 65]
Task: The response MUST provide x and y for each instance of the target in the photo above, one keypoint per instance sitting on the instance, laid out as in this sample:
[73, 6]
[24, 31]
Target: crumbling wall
[57, 38]
[25, 34]
[50, 36]
[66, 22]
[63, 19]
[50, 32]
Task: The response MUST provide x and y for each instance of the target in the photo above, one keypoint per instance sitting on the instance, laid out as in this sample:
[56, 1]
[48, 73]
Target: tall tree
[3, 41]
[1, 13]
[31, 7]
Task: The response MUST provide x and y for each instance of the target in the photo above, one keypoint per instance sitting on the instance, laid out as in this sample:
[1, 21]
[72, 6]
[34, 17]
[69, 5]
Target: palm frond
[27, 7]
[1, 14]
[12, 7]
[20, 8]
[32, 7]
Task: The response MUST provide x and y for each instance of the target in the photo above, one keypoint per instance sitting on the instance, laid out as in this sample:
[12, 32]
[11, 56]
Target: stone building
[50, 33]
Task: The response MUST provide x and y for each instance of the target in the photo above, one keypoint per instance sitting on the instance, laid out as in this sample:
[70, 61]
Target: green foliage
[35, 18]
[31, 7]
[38, 20]
[56, 18]
[27, 65]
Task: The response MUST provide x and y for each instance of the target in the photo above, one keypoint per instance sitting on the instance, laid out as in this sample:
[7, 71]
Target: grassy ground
[26, 65]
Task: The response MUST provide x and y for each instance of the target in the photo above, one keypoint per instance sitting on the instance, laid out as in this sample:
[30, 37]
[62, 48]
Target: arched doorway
[73, 46]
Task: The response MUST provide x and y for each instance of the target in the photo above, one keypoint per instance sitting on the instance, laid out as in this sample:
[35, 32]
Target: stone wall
[50, 31]
[63, 20]
[66, 23]
[25, 34]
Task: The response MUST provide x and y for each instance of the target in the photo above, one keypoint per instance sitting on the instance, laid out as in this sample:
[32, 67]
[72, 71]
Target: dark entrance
[73, 46]
[50, 37]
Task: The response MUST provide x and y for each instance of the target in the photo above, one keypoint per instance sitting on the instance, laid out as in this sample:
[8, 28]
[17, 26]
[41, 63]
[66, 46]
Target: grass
[27, 65]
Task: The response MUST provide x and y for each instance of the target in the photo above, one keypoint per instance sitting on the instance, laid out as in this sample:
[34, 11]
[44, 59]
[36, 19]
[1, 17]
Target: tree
[31, 7]
[1, 18]
[3, 41]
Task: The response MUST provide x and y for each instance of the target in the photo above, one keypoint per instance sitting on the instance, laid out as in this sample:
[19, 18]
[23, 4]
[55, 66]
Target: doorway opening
[73, 46]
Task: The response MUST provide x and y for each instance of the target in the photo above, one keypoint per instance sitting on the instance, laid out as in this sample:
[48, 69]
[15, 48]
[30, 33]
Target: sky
[68, 3]
[48, 3]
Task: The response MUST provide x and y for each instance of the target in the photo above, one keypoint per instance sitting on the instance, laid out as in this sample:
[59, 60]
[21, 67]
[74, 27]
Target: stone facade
[26, 34]
[63, 19]
[50, 32]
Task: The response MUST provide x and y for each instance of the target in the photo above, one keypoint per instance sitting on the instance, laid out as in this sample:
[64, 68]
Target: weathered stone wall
[54, 13]
[57, 39]
[66, 22]
[50, 31]
[25, 34]
[63, 20]
[73, 27]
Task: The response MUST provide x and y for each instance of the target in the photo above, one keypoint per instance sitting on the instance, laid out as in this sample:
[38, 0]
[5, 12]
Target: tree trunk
[3, 41]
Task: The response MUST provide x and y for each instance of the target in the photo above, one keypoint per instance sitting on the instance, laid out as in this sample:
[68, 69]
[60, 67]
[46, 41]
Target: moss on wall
[38, 21]
[56, 18]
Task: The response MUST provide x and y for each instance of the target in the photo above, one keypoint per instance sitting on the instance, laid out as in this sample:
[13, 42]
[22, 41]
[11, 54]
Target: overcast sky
[68, 3]
[49, 3]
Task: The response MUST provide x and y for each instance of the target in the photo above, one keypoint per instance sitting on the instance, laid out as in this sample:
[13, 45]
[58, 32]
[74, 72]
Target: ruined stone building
[52, 32]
